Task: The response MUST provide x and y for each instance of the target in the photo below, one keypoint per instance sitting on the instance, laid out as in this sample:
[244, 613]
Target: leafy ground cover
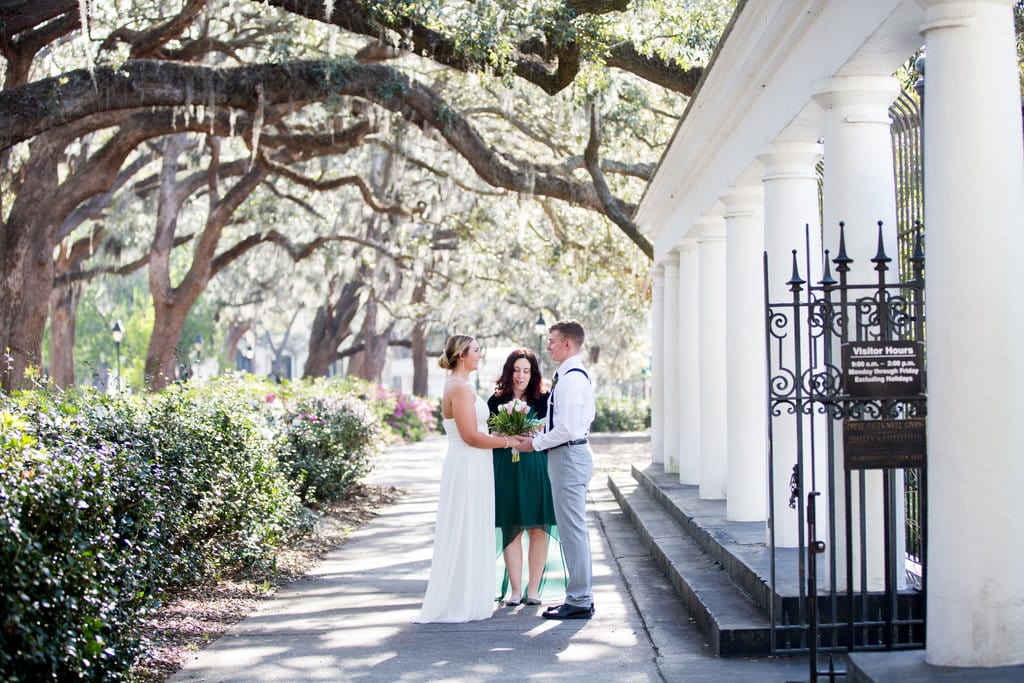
[110, 504]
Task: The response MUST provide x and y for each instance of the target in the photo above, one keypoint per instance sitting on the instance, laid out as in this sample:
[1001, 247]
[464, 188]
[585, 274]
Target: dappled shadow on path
[352, 618]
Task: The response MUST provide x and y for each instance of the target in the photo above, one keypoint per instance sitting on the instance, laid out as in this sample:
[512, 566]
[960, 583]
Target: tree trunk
[163, 357]
[63, 309]
[28, 237]
[331, 326]
[420, 359]
[26, 264]
[64, 298]
[420, 369]
[369, 363]
[171, 305]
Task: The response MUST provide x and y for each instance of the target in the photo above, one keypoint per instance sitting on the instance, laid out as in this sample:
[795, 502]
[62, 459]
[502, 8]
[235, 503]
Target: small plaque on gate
[882, 444]
[882, 369]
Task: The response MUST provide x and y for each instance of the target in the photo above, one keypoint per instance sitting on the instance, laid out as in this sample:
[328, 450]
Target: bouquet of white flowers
[514, 419]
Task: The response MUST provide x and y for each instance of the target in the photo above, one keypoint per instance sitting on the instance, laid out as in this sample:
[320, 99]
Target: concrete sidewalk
[351, 619]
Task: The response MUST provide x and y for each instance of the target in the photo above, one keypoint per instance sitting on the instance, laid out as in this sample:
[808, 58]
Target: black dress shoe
[568, 612]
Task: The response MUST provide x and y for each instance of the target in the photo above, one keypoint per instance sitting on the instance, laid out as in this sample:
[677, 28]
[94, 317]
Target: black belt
[574, 442]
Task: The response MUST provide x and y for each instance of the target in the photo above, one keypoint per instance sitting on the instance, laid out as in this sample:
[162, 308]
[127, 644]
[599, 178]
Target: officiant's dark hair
[503, 389]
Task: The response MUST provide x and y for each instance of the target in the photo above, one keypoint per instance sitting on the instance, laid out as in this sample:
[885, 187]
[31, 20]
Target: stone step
[739, 547]
[730, 619]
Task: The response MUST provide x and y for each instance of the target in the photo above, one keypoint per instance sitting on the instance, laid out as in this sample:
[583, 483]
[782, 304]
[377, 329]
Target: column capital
[955, 13]
[658, 273]
[709, 229]
[952, 4]
[861, 99]
[796, 160]
[742, 200]
[670, 260]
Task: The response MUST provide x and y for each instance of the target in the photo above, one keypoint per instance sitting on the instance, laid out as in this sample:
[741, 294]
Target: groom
[570, 464]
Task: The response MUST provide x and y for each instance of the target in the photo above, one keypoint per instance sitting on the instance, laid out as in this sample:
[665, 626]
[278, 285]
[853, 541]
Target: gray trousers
[570, 469]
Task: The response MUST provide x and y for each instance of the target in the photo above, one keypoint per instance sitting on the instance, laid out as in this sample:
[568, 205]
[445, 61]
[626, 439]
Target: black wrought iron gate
[846, 405]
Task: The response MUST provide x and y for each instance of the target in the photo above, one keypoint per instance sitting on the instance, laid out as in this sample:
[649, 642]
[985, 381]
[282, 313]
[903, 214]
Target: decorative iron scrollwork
[794, 487]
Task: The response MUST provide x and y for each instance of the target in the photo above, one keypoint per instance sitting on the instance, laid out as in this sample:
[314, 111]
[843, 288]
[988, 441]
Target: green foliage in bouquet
[514, 418]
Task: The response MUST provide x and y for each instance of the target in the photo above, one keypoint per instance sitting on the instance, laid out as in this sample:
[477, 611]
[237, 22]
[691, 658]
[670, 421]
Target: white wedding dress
[462, 571]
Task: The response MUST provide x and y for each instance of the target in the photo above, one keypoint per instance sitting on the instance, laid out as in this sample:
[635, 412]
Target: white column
[859, 189]
[974, 198]
[672, 462]
[746, 386]
[689, 362]
[859, 179]
[713, 427]
[790, 217]
[657, 365]
[670, 385]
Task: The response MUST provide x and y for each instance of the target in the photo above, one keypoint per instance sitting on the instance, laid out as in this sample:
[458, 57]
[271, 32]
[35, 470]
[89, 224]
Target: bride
[462, 571]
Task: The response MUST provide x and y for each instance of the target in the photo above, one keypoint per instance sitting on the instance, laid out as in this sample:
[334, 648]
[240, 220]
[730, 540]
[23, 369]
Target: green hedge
[228, 500]
[106, 501]
[81, 542]
[621, 415]
[328, 444]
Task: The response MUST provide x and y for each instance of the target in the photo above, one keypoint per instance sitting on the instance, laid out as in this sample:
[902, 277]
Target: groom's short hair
[570, 329]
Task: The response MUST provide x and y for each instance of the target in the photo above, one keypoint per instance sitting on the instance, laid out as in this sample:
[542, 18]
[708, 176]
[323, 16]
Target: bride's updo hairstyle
[454, 348]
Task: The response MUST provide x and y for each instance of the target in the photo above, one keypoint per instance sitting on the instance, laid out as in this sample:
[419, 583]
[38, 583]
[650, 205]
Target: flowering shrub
[405, 417]
[411, 418]
[104, 501]
[82, 537]
[229, 501]
[328, 443]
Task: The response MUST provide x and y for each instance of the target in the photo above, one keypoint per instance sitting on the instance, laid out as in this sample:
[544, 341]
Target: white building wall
[780, 64]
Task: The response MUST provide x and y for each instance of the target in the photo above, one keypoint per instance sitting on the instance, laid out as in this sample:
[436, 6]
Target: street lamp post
[117, 333]
[541, 328]
[197, 346]
[249, 353]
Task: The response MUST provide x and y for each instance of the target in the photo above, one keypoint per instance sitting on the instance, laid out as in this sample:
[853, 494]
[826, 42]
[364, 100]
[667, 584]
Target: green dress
[522, 500]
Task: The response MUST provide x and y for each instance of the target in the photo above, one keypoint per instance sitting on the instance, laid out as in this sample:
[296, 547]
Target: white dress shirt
[571, 404]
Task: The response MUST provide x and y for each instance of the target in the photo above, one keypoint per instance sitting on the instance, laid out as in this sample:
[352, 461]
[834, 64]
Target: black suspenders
[551, 407]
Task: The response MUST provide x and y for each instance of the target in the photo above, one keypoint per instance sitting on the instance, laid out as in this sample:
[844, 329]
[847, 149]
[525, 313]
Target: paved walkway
[351, 620]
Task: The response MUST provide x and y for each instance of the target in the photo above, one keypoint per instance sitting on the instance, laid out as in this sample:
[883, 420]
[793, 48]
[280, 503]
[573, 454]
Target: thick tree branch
[539, 61]
[112, 269]
[20, 50]
[612, 207]
[22, 15]
[654, 69]
[151, 42]
[32, 108]
[597, 6]
[94, 208]
[296, 252]
[335, 183]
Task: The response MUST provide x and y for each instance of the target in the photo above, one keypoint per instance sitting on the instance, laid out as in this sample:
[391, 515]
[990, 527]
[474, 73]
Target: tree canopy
[392, 146]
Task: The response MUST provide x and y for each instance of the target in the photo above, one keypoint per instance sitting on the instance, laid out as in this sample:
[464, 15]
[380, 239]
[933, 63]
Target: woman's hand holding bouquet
[514, 419]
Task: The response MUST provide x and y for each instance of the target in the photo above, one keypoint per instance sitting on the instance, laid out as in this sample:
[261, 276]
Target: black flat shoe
[568, 612]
